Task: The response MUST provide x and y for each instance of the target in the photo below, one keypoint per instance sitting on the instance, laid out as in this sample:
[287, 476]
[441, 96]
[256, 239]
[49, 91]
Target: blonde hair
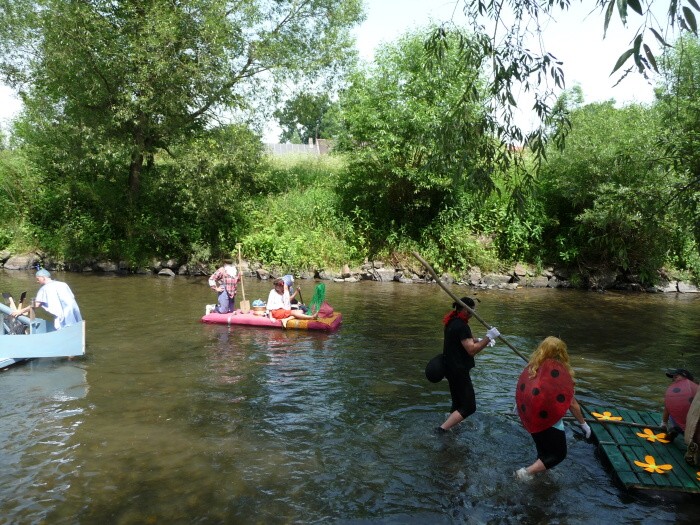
[551, 348]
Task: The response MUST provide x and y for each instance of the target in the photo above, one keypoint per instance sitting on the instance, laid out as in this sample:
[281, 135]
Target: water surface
[168, 420]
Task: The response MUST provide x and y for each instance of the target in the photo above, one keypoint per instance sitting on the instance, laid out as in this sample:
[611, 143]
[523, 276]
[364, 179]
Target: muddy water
[167, 420]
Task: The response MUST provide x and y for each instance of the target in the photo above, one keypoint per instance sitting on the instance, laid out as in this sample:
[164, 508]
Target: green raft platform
[638, 451]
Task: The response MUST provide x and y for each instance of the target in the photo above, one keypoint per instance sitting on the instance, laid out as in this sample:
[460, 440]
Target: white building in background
[321, 147]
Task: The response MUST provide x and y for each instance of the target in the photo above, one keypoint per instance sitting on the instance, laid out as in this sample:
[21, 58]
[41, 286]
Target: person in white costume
[56, 298]
[279, 306]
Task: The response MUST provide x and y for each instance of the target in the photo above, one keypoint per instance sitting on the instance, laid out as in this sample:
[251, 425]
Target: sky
[576, 38]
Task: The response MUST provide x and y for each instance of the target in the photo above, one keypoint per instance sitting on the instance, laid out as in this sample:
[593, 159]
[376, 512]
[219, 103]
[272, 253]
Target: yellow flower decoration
[649, 435]
[651, 466]
[606, 416]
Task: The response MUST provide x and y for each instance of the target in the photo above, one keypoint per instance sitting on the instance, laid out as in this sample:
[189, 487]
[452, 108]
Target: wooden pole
[459, 301]
[613, 422]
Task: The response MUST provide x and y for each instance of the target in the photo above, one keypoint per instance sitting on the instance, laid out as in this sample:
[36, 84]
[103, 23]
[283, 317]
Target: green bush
[605, 194]
[19, 183]
[284, 173]
[300, 230]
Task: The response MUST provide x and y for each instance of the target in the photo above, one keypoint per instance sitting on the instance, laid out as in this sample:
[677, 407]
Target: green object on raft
[318, 298]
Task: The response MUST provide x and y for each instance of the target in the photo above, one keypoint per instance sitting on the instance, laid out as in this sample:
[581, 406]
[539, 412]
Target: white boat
[39, 339]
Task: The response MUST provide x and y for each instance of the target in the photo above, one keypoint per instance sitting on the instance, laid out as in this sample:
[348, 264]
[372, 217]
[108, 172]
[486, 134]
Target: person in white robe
[56, 298]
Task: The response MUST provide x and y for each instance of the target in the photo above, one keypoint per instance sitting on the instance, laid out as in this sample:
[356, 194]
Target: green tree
[679, 106]
[143, 75]
[605, 196]
[111, 90]
[18, 183]
[303, 117]
[507, 32]
[400, 173]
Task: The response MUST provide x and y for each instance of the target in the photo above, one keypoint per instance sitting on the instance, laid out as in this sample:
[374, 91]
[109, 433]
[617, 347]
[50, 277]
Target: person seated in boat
[548, 370]
[224, 281]
[677, 401]
[279, 306]
[56, 298]
[293, 293]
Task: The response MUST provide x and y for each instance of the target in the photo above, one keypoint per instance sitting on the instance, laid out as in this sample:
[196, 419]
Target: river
[168, 420]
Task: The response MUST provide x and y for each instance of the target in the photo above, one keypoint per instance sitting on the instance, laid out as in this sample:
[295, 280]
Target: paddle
[458, 301]
[245, 305]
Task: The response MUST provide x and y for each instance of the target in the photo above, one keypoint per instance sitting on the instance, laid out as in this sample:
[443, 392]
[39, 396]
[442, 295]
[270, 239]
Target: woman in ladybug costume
[545, 392]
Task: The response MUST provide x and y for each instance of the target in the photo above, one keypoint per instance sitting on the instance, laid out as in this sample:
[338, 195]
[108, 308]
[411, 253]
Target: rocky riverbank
[520, 275]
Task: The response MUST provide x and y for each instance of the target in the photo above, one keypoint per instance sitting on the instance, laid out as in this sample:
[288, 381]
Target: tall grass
[299, 227]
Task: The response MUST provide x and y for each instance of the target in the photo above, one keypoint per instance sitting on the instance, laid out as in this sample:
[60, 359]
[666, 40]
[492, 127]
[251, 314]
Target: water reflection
[39, 416]
[185, 422]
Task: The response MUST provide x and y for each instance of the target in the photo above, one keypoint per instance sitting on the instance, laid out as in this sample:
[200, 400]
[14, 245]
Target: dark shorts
[462, 392]
[551, 446]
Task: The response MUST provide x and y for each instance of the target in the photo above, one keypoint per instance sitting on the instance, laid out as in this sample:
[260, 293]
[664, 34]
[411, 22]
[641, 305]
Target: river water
[167, 420]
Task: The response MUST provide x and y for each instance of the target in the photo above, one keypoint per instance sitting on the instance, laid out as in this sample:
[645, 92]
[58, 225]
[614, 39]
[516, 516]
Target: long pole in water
[459, 301]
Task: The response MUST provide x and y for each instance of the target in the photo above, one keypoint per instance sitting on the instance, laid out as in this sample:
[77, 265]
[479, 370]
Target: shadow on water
[167, 420]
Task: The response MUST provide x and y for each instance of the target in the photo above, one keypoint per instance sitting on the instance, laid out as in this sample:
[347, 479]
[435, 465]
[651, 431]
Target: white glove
[493, 333]
[586, 429]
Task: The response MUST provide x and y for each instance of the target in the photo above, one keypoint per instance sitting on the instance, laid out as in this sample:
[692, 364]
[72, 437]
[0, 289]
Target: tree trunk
[136, 166]
[135, 174]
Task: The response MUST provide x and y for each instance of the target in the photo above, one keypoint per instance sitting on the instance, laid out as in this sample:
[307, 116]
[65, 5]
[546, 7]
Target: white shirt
[57, 298]
[276, 301]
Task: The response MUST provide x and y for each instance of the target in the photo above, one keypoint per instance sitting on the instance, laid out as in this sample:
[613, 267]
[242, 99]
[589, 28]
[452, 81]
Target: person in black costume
[459, 349]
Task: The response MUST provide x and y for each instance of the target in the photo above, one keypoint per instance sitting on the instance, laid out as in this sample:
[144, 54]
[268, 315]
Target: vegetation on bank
[290, 216]
[416, 166]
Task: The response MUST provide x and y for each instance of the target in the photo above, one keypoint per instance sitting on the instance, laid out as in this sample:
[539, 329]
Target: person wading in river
[544, 393]
[459, 349]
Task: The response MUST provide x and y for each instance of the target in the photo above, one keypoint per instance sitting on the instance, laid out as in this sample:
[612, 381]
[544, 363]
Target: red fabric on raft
[326, 310]
[281, 313]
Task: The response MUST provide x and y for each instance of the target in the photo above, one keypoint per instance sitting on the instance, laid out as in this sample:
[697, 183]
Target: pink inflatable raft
[328, 320]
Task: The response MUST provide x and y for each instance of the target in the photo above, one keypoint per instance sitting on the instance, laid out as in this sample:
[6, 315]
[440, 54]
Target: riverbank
[520, 275]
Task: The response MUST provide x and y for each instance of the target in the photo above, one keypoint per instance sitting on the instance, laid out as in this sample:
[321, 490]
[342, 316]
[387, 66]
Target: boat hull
[67, 342]
[238, 318]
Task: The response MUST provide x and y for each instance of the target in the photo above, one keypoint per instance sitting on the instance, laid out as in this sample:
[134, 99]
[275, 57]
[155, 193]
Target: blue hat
[43, 273]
